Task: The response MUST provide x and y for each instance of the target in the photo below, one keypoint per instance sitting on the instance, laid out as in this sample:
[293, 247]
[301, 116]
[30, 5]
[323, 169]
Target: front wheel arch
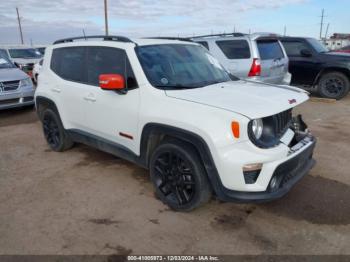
[153, 134]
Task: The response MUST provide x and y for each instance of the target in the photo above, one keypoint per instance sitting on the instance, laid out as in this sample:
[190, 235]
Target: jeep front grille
[282, 122]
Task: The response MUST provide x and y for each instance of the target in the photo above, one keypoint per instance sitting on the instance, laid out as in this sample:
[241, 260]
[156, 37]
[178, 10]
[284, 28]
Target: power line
[19, 25]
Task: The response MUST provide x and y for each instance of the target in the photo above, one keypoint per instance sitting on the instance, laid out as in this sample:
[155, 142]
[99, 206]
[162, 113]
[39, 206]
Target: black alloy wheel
[174, 178]
[179, 177]
[51, 131]
[54, 132]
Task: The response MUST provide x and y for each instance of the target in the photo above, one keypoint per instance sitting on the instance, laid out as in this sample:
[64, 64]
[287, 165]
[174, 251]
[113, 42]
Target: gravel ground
[88, 202]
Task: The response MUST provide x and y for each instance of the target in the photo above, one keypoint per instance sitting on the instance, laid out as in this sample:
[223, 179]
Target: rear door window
[234, 49]
[293, 48]
[270, 50]
[69, 63]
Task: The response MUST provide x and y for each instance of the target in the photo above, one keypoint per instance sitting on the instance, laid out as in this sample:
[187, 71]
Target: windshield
[317, 45]
[4, 63]
[25, 53]
[174, 66]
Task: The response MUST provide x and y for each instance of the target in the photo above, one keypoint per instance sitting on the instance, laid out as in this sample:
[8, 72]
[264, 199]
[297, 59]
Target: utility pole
[321, 29]
[106, 17]
[19, 25]
[84, 34]
[325, 36]
[285, 31]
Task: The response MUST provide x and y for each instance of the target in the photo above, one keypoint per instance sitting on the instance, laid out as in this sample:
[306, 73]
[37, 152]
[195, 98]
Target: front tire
[179, 177]
[55, 135]
[334, 85]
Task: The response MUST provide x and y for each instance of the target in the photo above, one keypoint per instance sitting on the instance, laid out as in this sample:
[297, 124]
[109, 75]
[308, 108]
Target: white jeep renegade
[169, 106]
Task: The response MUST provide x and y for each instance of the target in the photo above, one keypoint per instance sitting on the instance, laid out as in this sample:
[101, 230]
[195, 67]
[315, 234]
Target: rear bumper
[276, 80]
[287, 174]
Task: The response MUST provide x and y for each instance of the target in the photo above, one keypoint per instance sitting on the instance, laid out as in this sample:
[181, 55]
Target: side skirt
[104, 145]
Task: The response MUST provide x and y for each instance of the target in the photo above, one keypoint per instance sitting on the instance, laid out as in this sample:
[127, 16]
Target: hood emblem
[292, 101]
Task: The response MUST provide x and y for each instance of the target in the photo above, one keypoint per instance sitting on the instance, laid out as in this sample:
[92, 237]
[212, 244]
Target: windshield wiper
[175, 87]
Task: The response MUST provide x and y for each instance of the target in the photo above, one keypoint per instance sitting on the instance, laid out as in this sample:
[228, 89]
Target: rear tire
[333, 85]
[55, 134]
[179, 177]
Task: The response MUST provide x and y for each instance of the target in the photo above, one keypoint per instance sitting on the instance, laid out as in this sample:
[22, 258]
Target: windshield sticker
[3, 61]
[164, 81]
[214, 61]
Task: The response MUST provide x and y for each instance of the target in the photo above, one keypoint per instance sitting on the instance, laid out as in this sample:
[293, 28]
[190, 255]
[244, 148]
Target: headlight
[266, 132]
[257, 128]
[26, 82]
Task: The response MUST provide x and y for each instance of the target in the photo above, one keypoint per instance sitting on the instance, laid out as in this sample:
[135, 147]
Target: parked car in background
[345, 49]
[36, 70]
[16, 87]
[258, 57]
[23, 57]
[41, 49]
[170, 107]
[315, 68]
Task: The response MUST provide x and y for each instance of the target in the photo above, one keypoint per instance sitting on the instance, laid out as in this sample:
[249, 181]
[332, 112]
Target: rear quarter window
[234, 49]
[270, 50]
[69, 63]
[204, 43]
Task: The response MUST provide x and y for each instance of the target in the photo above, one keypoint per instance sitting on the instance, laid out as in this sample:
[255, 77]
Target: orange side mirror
[112, 82]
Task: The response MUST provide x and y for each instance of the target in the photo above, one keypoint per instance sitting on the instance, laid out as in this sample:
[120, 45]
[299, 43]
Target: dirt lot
[87, 202]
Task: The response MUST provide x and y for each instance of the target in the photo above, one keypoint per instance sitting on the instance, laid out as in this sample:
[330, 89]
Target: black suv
[315, 68]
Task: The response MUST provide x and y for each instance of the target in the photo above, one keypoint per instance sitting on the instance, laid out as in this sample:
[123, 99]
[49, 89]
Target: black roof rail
[224, 34]
[104, 37]
[188, 39]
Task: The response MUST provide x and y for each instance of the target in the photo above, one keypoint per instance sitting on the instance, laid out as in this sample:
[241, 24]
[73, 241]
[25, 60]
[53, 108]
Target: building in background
[337, 41]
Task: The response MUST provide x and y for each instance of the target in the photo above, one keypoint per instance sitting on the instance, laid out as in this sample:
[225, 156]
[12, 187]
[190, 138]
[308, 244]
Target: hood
[11, 74]
[251, 99]
[337, 55]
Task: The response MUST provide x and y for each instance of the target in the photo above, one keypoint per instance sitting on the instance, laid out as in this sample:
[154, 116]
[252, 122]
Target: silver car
[257, 57]
[24, 57]
[16, 87]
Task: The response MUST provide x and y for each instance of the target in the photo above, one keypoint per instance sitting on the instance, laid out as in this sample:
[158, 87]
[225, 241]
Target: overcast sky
[47, 20]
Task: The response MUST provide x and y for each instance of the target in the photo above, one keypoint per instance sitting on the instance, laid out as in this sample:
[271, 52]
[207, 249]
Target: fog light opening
[274, 183]
[251, 172]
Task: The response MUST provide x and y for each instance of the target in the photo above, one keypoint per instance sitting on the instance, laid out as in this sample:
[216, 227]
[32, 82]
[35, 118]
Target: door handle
[90, 97]
[56, 90]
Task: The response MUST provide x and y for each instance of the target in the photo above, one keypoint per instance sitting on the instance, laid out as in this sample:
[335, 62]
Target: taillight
[255, 70]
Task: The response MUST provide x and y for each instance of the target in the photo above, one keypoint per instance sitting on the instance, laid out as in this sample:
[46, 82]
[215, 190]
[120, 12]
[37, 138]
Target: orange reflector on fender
[235, 129]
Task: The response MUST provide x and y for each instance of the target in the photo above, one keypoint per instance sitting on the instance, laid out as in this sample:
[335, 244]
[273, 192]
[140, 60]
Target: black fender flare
[189, 137]
[40, 100]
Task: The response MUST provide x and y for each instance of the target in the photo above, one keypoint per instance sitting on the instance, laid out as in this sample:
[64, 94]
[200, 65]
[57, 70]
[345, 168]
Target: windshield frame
[317, 46]
[28, 50]
[230, 77]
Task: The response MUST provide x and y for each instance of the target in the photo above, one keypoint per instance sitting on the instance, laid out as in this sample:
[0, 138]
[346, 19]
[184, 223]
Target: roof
[108, 40]
[253, 36]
